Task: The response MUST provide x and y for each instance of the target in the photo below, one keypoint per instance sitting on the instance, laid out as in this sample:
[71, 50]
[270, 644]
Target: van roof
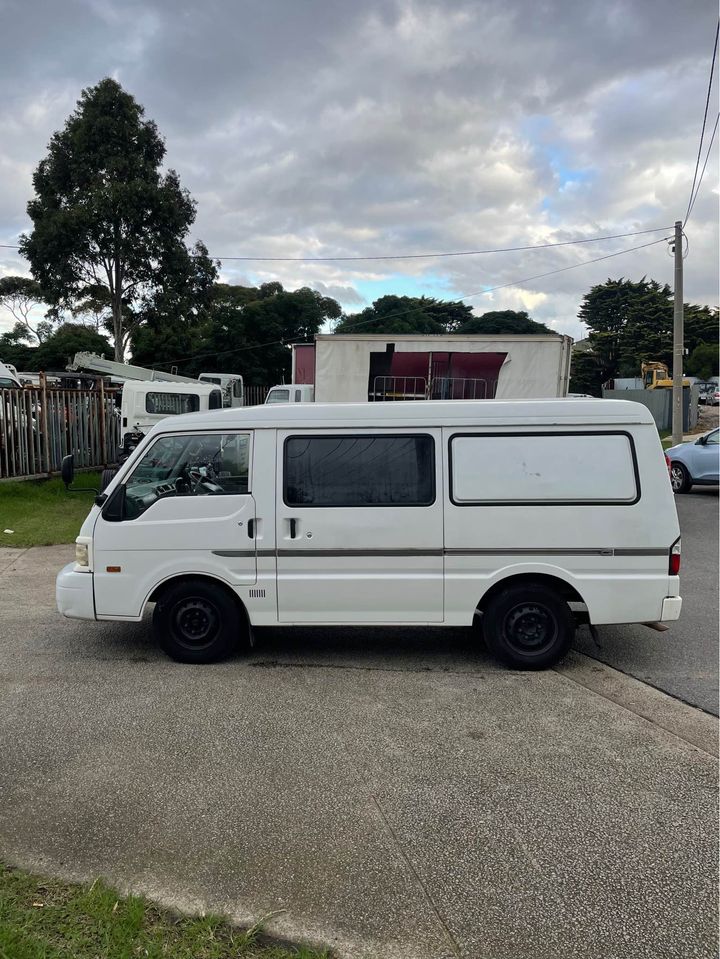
[423, 413]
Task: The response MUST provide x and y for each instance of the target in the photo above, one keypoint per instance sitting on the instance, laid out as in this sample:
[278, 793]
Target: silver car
[696, 463]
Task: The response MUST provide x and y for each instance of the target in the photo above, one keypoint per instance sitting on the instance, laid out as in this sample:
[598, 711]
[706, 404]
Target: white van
[527, 516]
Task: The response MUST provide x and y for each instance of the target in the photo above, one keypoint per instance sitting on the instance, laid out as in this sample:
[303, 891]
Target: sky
[330, 128]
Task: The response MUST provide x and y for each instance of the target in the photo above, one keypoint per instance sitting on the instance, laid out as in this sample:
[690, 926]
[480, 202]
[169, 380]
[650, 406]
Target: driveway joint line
[408, 862]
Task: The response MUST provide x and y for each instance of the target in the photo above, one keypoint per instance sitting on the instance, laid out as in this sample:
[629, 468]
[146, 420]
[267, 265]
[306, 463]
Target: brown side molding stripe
[247, 553]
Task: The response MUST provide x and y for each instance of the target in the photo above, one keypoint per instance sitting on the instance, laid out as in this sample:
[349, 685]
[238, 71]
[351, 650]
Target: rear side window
[168, 404]
[543, 469]
[359, 471]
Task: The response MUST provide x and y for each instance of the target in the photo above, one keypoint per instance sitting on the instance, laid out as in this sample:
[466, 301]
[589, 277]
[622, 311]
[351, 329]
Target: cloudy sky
[320, 128]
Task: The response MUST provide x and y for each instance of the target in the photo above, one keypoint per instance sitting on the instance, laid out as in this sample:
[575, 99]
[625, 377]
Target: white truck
[231, 384]
[8, 377]
[380, 367]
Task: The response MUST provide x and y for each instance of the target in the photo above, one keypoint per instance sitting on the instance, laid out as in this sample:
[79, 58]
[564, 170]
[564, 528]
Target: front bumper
[671, 608]
[74, 593]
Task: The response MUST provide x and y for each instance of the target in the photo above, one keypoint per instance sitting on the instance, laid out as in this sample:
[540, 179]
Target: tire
[679, 478]
[199, 622]
[529, 627]
[105, 478]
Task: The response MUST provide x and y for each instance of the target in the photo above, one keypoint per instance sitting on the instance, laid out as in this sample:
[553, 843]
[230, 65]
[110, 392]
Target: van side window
[359, 470]
[278, 396]
[543, 468]
[170, 403]
[212, 464]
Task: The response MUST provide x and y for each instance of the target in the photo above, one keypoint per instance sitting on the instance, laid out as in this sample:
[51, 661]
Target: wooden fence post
[44, 423]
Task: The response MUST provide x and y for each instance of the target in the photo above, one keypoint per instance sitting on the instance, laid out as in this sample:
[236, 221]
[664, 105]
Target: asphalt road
[394, 794]
[682, 661]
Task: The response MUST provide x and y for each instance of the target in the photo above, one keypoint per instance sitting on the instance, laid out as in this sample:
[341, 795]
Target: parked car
[522, 517]
[713, 398]
[696, 463]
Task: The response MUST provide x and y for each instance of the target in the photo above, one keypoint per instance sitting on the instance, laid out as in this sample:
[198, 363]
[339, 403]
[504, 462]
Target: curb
[691, 725]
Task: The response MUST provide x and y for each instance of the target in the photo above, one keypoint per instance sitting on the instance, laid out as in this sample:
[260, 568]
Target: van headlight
[82, 555]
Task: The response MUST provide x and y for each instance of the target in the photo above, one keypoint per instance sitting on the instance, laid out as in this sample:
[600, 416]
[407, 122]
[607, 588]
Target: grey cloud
[330, 127]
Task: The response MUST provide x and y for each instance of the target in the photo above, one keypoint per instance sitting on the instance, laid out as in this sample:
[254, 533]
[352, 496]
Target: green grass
[49, 919]
[42, 512]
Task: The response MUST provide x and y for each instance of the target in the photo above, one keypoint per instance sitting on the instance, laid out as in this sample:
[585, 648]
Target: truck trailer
[380, 367]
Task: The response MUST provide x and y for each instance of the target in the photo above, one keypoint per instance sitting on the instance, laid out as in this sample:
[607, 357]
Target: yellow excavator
[656, 376]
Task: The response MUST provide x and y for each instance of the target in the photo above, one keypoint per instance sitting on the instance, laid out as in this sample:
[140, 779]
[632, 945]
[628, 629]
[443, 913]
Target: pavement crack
[14, 560]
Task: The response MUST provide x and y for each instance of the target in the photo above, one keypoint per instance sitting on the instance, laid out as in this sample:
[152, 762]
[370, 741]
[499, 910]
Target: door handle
[293, 528]
[251, 528]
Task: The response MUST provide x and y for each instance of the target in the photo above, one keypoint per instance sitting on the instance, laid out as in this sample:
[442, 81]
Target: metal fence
[255, 395]
[38, 426]
[439, 388]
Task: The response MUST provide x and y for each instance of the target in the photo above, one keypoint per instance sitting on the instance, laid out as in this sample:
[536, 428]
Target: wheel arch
[157, 592]
[557, 584]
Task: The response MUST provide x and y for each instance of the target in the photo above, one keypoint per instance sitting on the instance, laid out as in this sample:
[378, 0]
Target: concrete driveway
[395, 793]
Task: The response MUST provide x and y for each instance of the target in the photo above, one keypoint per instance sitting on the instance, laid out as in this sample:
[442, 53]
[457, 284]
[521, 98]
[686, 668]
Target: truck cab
[145, 402]
[291, 393]
[8, 377]
[231, 385]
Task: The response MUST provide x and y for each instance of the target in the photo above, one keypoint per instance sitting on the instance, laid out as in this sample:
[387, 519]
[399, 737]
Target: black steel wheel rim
[677, 477]
[530, 628]
[195, 622]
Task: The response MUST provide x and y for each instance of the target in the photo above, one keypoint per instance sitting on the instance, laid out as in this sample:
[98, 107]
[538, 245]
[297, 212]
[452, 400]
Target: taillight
[675, 558]
[668, 464]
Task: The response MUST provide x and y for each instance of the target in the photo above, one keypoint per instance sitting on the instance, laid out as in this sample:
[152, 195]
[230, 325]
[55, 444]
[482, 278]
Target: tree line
[113, 273]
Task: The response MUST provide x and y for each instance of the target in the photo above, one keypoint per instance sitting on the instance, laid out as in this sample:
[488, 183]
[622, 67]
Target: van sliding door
[359, 526]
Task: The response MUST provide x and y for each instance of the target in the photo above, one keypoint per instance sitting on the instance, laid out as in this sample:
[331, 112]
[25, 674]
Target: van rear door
[360, 526]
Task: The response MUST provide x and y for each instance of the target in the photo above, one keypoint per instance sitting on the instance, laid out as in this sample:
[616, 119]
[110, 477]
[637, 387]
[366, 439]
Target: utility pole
[678, 334]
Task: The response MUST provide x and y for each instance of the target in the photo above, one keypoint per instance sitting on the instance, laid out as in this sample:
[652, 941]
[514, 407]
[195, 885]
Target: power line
[702, 131]
[702, 173]
[389, 316]
[564, 269]
[420, 256]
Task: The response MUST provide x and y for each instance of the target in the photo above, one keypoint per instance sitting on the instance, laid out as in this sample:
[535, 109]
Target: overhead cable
[702, 131]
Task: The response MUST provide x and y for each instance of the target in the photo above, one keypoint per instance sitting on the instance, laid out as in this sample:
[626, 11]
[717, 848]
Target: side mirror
[67, 470]
[702, 441]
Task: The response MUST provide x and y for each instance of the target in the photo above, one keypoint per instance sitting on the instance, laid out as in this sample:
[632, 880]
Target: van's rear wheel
[198, 622]
[529, 627]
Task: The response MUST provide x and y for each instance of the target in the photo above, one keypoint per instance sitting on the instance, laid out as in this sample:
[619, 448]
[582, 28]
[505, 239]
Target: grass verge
[50, 919]
[42, 512]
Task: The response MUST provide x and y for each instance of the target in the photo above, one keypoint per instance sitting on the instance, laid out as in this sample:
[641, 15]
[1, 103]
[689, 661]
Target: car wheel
[679, 478]
[199, 622]
[529, 627]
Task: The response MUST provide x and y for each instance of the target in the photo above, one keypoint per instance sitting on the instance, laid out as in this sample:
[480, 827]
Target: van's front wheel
[197, 622]
[529, 627]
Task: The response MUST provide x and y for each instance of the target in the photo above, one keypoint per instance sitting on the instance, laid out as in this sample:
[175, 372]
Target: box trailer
[350, 369]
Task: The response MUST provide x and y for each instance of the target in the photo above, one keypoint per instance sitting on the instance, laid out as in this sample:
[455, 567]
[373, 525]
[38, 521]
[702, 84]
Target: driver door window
[182, 465]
